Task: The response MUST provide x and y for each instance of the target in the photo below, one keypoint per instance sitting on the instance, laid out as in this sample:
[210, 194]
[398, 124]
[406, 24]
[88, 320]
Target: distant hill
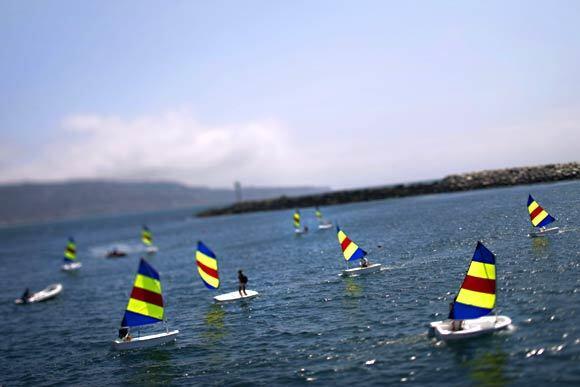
[34, 202]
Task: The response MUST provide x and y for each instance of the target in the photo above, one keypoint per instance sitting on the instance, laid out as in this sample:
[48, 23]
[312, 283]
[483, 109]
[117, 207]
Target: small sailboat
[51, 291]
[207, 268]
[323, 224]
[147, 239]
[540, 219]
[352, 252]
[470, 313]
[298, 230]
[70, 256]
[145, 307]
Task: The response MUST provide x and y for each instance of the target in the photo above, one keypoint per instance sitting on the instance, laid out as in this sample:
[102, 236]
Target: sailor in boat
[25, 295]
[456, 325]
[243, 281]
[305, 229]
[364, 262]
[124, 334]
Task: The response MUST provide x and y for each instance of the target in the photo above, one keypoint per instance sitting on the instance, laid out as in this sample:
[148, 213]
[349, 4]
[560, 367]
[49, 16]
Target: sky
[279, 93]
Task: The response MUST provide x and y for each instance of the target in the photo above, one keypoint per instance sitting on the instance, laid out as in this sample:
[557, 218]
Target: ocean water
[309, 326]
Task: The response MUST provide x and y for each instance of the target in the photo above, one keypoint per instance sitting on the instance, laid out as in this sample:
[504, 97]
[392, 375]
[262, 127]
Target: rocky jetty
[452, 183]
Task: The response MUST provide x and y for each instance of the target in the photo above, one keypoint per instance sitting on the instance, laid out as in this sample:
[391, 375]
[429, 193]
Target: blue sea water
[309, 326]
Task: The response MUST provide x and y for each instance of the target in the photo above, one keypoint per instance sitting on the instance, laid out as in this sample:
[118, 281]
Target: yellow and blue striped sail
[207, 266]
[350, 250]
[146, 236]
[477, 295]
[146, 301]
[538, 216]
[70, 252]
[296, 219]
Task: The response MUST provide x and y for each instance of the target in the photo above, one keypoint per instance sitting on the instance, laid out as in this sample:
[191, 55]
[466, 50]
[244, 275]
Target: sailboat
[323, 224]
[207, 268]
[297, 226]
[70, 256]
[352, 252]
[147, 239]
[540, 219]
[145, 307]
[471, 310]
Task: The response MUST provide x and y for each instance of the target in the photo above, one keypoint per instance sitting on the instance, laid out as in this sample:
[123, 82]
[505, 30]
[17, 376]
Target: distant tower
[238, 191]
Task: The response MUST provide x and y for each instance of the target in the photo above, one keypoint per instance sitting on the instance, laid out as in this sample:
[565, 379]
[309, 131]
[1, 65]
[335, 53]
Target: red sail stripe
[536, 212]
[208, 270]
[147, 296]
[345, 243]
[477, 284]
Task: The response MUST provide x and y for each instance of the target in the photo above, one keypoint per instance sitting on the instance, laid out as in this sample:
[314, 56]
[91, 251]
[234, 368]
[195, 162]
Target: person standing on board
[243, 281]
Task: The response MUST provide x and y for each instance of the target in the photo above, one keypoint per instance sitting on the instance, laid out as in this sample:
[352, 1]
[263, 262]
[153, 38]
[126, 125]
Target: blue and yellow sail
[146, 301]
[477, 295]
[146, 236]
[350, 250]
[207, 266]
[296, 219]
[538, 216]
[70, 252]
[318, 213]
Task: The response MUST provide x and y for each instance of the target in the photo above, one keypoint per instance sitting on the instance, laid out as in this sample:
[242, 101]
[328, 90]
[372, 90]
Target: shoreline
[452, 183]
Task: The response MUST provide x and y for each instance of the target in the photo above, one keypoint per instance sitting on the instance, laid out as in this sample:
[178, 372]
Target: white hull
[49, 292]
[543, 232]
[145, 341]
[325, 226]
[71, 266]
[235, 296]
[470, 328]
[151, 249]
[299, 232]
[373, 268]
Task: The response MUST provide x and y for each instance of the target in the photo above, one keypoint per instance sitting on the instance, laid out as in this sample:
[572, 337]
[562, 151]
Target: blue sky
[339, 93]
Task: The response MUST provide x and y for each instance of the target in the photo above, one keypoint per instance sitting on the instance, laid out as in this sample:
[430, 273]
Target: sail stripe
[477, 284]
[538, 216]
[147, 296]
[146, 302]
[207, 266]
[476, 296]
[350, 250]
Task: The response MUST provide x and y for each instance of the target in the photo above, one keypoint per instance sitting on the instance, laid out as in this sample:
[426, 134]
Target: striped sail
[70, 252]
[296, 219]
[318, 213]
[538, 216]
[350, 250]
[146, 236]
[146, 302]
[476, 297]
[207, 266]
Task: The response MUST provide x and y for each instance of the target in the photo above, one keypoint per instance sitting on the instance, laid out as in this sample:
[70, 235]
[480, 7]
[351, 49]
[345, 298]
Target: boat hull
[356, 271]
[470, 328]
[47, 293]
[151, 249]
[544, 232]
[235, 296]
[145, 341]
[71, 266]
[325, 226]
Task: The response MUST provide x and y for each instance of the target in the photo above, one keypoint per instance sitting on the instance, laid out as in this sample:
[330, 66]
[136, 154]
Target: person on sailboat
[25, 295]
[364, 262]
[243, 281]
[455, 324]
[124, 334]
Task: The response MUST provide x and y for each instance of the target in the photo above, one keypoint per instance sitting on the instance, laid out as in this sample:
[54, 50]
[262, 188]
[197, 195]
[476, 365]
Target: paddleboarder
[243, 281]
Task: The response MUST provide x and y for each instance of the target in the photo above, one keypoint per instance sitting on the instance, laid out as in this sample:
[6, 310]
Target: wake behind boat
[45, 294]
[145, 307]
[470, 312]
[70, 257]
[207, 268]
[352, 252]
[540, 219]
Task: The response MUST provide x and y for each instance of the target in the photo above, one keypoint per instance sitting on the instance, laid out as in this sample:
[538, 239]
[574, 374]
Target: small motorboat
[235, 296]
[45, 294]
[356, 271]
[145, 341]
[71, 262]
[145, 307]
[116, 254]
[443, 330]
[540, 218]
[470, 312]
